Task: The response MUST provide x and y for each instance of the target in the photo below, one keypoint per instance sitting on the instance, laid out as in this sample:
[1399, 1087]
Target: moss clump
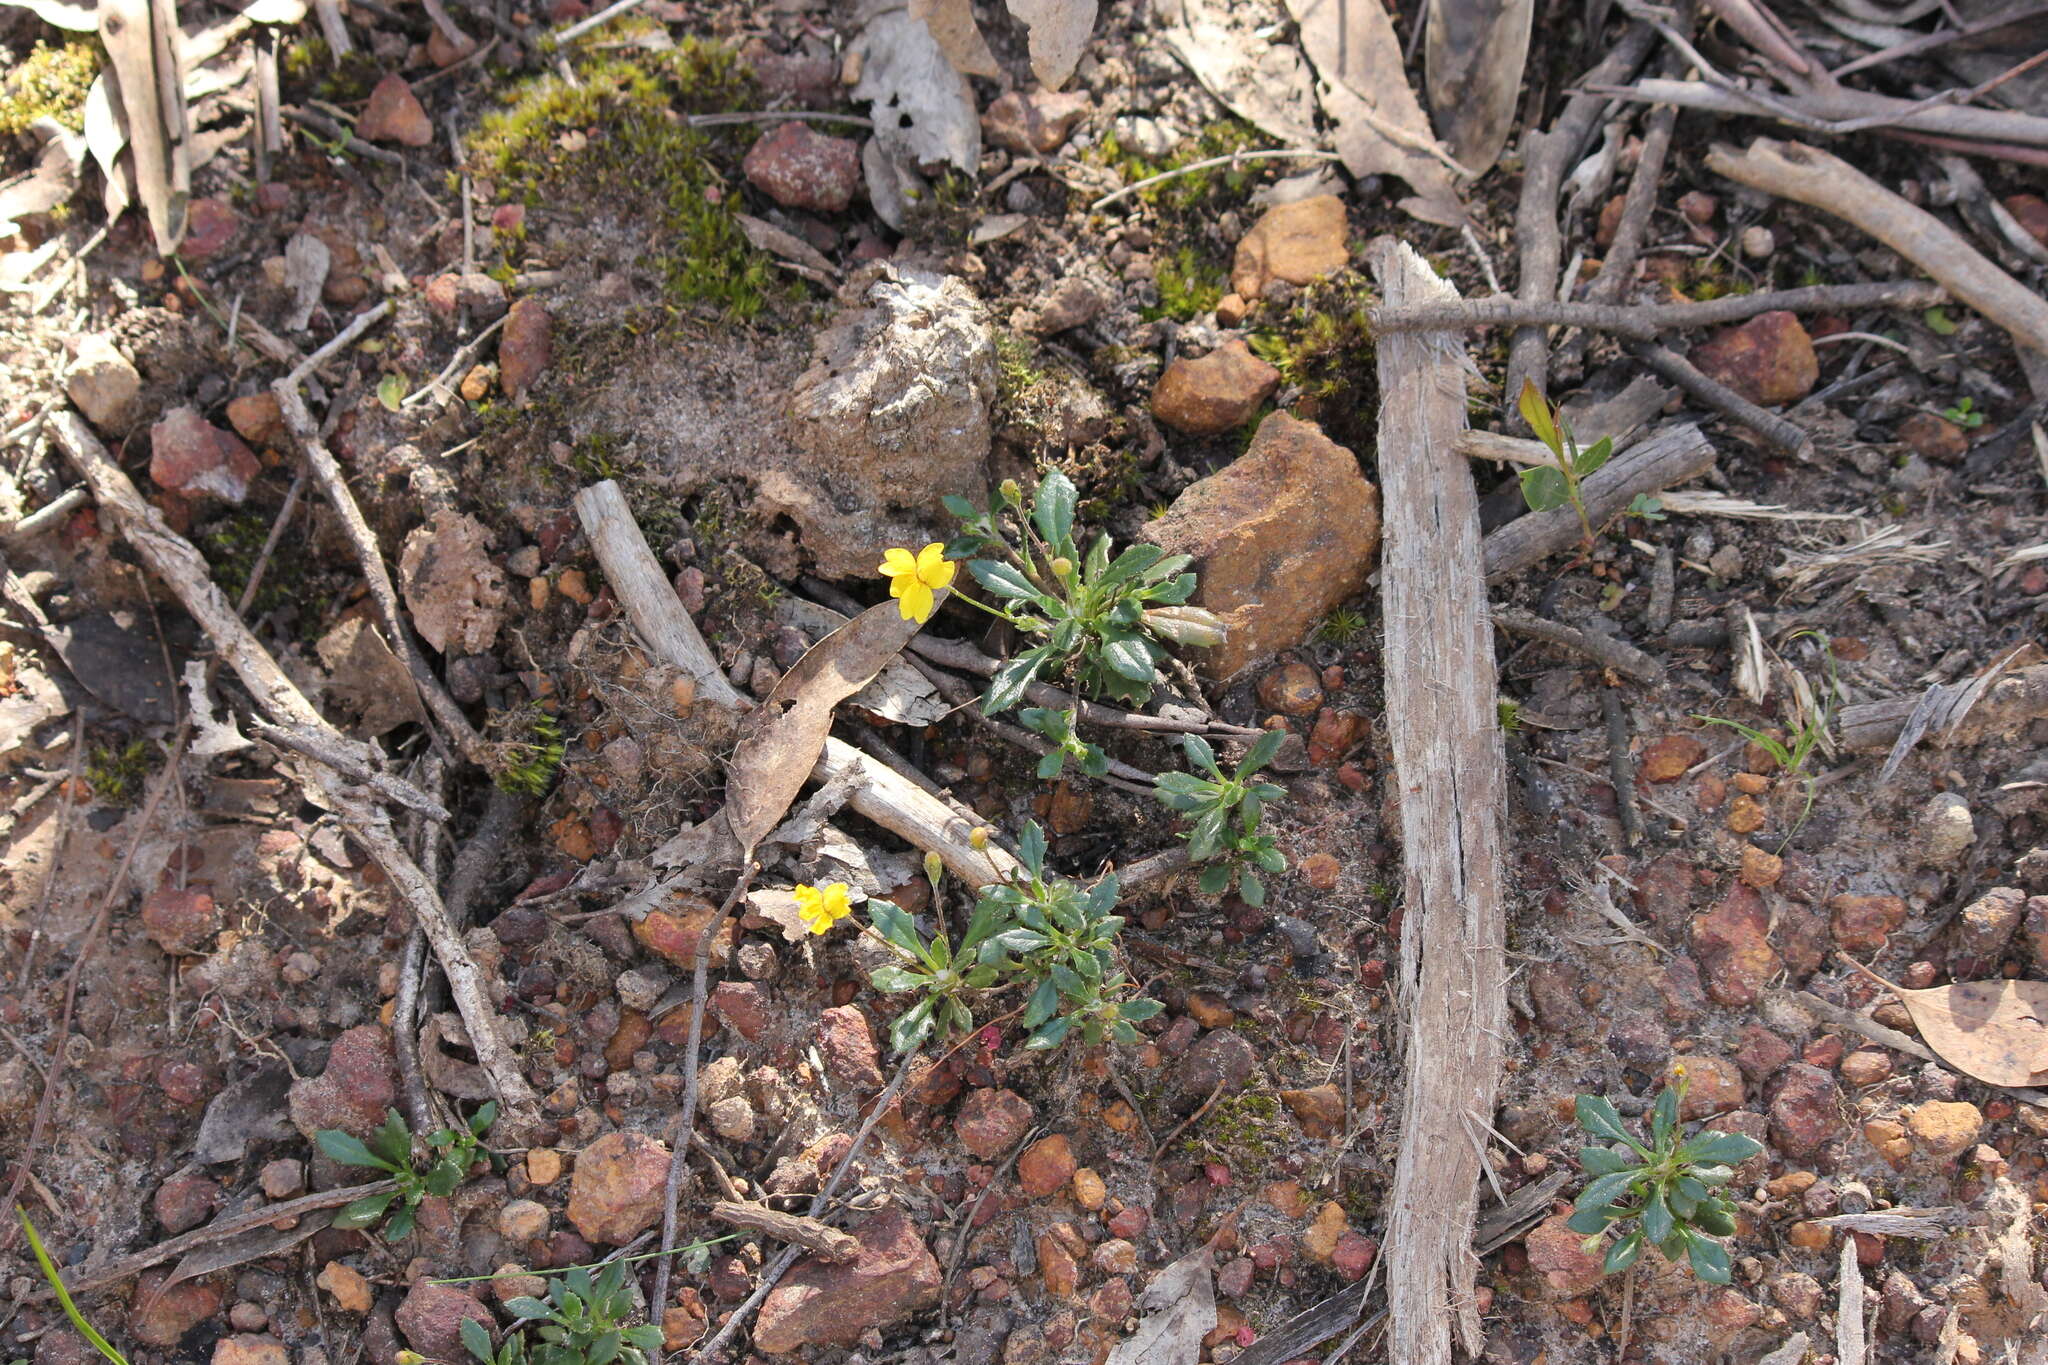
[1245, 1127]
[1216, 187]
[116, 774]
[1018, 371]
[526, 766]
[305, 67]
[1189, 286]
[51, 82]
[290, 581]
[620, 133]
[1325, 346]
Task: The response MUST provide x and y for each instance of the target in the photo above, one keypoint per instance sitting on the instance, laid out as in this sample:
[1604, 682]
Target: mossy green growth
[620, 133]
[1246, 1126]
[231, 545]
[1189, 286]
[116, 774]
[1325, 345]
[526, 765]
[51, 82]
[1216, 187]
[1018, 370]
[305, 67]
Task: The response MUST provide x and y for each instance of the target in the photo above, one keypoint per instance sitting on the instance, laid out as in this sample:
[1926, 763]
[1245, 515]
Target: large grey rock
[892, 415]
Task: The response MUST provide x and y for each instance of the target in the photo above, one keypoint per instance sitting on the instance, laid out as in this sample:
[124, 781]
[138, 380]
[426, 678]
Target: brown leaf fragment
[1996, 1030]
[785, 735]
[959, 37]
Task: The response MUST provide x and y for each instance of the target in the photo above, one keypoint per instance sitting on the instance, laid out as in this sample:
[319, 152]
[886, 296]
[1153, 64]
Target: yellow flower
[822, 906]
[915, 578]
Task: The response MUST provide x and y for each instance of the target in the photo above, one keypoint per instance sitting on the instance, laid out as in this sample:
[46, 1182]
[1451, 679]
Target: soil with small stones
[1014, 1202]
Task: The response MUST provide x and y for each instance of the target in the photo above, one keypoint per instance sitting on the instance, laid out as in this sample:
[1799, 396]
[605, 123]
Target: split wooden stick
[1445, 734]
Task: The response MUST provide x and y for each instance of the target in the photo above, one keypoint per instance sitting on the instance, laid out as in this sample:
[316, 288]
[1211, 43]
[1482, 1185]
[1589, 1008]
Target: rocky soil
[783, 399]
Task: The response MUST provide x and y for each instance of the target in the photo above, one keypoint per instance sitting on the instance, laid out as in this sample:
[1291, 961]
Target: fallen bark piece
[793, 1228]
[2008, 704]
[1672, 456]
[1806, 175]
[1445, 736]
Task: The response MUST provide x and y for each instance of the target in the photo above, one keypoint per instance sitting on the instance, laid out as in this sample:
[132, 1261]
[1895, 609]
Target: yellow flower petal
[929, 559]
[941, 577]
[916, 602]
[897, 561]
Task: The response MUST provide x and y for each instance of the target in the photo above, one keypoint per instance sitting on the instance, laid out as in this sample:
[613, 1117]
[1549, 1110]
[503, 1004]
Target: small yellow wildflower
[821, 907]
[915, 578]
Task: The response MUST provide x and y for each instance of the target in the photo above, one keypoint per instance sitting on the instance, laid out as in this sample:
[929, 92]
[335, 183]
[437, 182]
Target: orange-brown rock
[1280, 536]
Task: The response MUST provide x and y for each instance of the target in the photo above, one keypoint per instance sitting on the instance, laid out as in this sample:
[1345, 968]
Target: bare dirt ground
[201, 964]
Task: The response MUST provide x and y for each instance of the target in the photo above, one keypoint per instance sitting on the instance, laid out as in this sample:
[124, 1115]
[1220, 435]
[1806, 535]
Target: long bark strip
[1446, 740]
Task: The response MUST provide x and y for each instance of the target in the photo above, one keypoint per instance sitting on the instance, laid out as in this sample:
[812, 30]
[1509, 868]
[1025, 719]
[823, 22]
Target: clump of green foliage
[1548, 486]
[582, 1321]
[632, 146]
[450, 1154]
[527, 766]
[1343, 626]
[1963, 412]
[1209, 188]
[1102, 621]
[1190, 285]
[115, 774]
[51, 82]
[1324, 345]
[1225, 810]
[1665, 1187]
[1040, 930]
[1017, 368]
[1060, 728]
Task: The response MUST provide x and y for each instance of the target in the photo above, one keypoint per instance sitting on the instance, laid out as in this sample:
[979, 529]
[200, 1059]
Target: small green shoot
[1648, 507]
[582, 1321]
[1226, 809]
[1341, 627]
[1059, 727]
[1546, 486]
[1666, 1188]
[451, 1152]
[1816, 714]
[1939, 322]
[1963, 412]
[391, 392]
[529, 765]
[56, 1282]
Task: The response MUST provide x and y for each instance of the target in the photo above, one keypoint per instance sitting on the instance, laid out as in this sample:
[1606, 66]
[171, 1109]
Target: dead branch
[1645, 322]
[1619, 655]
[1843, 110]
[2012, 702]
[1787, 436]
[298, 419]
[1445, 735]
[89, 1280]
[1809, 176]
[1670, 457]
[181, 567]
[878, 792]
[324, 746]
[791, 1228]
[1546, 157]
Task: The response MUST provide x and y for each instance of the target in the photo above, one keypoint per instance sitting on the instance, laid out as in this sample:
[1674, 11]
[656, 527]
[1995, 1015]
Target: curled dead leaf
[1996, 1030]
[787, 732]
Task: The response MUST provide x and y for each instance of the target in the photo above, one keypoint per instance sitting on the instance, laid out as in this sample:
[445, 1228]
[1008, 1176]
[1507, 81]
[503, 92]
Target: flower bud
[1186, 625]
[1012, 494]
[1062, 568]
[934, 868]
[977, 838]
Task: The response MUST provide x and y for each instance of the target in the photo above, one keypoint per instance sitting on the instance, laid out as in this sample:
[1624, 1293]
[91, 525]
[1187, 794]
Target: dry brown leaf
[952, 25]
[1380, 128]
[142, 39]
[1177, 1310]
[1267, 84]
[1996, 1030]
[1058, 32]
[1473, 58]
[785, 735]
